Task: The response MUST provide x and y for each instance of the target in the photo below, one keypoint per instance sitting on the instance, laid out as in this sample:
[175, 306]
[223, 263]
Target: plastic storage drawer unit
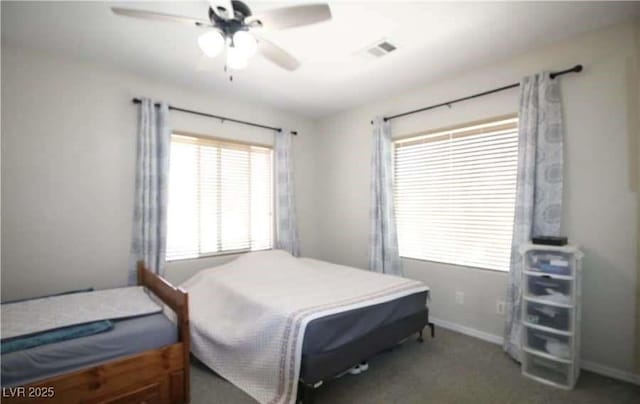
[544, 287]
[548, 343]
[558, 318]
[550, 262]
[550, 313]
[547, 370]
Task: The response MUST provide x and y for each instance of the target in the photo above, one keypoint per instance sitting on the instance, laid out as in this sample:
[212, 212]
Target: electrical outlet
[460, 297]
[500, 307]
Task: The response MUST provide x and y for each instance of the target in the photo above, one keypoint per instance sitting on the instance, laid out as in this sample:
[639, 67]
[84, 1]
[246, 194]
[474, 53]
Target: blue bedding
[57, 335]
[48, 337]
[127, 337]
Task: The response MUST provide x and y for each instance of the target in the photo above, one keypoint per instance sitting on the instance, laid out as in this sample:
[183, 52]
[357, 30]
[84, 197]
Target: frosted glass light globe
[211, 43]
[245, 43]
[236, 59]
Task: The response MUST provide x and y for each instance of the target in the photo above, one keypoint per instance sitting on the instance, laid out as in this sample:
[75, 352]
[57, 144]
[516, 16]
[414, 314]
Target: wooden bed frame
[154, 376]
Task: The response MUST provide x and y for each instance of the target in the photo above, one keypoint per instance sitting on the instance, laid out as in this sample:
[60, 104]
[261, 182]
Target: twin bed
[144, 359]
[274, 325]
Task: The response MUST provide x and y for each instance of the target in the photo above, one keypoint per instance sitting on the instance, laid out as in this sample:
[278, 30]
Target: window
[220, 197]
[455, 194]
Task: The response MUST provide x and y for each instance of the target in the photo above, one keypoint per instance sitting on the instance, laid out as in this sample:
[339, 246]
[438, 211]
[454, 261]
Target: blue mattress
[128, 337]
[329, 333]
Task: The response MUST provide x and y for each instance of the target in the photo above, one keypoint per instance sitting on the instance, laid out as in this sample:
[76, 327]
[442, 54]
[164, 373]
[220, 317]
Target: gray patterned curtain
[152, 176]
[383, 237]
[539, 186]
[287, 223]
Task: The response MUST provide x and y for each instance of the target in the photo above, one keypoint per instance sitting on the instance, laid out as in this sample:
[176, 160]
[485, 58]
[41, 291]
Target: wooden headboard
[178, 300]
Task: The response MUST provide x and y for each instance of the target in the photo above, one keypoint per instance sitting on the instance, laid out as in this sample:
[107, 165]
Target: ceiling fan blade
[222, 8]
[150, 15]
[277, 55]
[290, 17]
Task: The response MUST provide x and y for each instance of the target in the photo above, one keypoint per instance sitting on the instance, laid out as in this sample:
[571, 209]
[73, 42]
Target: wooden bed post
[141, 268]
[185, 337]
[178, 300]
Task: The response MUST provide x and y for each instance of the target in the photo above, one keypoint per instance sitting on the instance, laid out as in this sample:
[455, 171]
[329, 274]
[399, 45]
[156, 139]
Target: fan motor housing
[232, 25]
[240, 7]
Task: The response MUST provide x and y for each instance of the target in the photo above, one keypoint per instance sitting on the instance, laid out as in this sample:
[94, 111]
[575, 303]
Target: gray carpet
[452, 368]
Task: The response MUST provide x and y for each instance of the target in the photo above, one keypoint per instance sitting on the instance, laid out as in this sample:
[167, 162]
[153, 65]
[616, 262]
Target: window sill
[221, 254]
[501, 271]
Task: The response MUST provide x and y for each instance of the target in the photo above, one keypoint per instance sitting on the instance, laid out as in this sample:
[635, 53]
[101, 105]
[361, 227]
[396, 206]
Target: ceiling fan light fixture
[231, 24]
[245, 43]
[211, 43]
[236, 59]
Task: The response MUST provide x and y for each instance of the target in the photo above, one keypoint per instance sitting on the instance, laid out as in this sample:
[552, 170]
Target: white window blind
[220, 197]
[455, 194]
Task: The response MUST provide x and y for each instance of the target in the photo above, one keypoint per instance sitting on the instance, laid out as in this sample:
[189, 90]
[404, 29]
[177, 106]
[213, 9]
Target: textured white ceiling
[434, 38]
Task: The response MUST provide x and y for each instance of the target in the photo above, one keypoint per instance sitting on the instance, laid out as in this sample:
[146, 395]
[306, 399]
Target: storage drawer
[549, 343]
[552, 371]
[549, 289]
[558, 318]
[551, 262]
[144, 395]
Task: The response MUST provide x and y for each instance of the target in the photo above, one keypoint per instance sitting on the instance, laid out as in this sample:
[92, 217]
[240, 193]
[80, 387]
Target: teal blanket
[57, 335]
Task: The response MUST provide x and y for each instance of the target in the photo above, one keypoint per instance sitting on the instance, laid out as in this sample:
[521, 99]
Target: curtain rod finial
[578, 68]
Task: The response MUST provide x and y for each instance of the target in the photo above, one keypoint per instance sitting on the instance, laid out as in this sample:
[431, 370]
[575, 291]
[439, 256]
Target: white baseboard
[610, 372]
[497, 339]
[485, 336]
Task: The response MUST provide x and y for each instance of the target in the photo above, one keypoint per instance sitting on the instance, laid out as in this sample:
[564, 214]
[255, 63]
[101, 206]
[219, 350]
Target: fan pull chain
[226, 71]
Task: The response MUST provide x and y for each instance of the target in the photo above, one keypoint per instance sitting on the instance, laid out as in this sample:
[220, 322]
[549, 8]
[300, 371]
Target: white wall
[600, 205]
[68, 154]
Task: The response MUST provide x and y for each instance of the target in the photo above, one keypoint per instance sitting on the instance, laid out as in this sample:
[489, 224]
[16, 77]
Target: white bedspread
[48, 313]
[248, 317]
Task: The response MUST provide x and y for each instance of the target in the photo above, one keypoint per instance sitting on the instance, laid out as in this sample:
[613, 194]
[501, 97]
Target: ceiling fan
[232, 26]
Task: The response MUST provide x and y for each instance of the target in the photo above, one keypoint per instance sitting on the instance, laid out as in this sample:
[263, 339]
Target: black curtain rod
[574, 69]
[222, 118]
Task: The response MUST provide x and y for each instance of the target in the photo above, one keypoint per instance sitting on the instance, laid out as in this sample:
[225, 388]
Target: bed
[277, 326]
[337, 342]
[141, 359]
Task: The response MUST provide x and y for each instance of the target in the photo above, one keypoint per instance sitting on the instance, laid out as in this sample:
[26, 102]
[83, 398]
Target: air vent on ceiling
[381, 48]
[377, 50]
